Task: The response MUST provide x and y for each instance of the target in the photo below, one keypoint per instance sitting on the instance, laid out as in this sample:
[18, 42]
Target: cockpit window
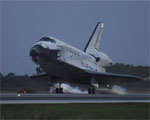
[47, 39]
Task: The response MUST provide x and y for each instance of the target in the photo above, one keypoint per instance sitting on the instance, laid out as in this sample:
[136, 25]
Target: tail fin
[95, 38]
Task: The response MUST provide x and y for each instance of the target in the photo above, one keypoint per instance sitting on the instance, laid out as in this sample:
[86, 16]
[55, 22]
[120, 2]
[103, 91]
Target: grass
[75, 111]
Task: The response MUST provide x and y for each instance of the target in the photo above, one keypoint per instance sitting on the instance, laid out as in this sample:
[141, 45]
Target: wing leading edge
[38, 75]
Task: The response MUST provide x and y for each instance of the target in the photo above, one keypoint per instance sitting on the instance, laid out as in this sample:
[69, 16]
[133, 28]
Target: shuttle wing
[38, 75]
[82, 76]
[111, 78]
[98, 77]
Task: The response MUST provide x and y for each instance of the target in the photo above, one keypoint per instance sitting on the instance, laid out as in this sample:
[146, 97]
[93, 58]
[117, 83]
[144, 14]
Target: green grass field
[75, 111]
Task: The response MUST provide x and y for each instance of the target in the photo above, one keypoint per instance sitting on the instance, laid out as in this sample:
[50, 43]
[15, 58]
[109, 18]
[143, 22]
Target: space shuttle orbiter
[63, 63]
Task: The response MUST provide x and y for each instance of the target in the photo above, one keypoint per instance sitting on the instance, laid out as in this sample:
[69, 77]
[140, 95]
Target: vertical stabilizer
[94, 41]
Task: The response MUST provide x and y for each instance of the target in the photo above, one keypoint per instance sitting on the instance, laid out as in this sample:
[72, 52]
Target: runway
[14, 98]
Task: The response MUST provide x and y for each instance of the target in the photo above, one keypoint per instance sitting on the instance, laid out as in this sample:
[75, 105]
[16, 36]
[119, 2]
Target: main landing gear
[91, 90]
[59, 90]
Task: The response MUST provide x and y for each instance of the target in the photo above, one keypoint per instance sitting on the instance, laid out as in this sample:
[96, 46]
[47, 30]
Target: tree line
[120, 68]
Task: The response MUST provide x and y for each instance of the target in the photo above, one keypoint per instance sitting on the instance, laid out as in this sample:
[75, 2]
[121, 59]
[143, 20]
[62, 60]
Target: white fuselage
[76, 57]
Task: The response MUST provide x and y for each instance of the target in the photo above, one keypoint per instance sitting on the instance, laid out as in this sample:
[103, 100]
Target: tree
[1, 75]
[10, 74]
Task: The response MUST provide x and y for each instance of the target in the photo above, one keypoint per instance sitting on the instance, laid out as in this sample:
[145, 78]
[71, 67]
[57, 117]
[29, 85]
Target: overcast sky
[125, 36]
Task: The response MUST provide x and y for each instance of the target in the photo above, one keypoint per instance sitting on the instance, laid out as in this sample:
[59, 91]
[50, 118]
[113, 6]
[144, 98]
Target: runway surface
[14, 98]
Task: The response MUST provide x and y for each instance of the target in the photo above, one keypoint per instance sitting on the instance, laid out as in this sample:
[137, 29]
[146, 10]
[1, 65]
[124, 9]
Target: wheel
[61, 90]
[93, 90]
[57, 90]
[89, 91]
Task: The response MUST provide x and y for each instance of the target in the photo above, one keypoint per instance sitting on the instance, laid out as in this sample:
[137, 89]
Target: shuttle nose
[38, 54]
[35, 52]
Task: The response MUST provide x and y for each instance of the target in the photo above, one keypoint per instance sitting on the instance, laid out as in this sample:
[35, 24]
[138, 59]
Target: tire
[89, 91]
[57, 90]
[61, 90]
[93, 90]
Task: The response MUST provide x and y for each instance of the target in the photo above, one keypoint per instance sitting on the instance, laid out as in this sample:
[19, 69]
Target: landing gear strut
[91, 90]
